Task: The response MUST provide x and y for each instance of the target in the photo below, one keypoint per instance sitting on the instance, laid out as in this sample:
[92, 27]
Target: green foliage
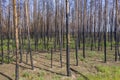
[106, 73]
[103, 69]
[56, 77]
[31, 76]
[81, 78]
[72, 45]
[91, 53]
[41, 78]
[48, 56]
[50, 44]
[81, 58]
[41, 73]
[5, 59]
[26, 74]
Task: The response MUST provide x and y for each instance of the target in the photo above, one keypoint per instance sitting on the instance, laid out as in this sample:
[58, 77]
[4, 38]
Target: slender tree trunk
[1, 32]
[77, 31]
[84, 26]
[67, 40]
[8, 36]
[16, 39]
[105, 29]
[19, 26]
[28, 33]
[115, 32]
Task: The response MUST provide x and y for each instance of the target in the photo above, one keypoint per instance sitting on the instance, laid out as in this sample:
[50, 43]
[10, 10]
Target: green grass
[104, 73]
[26, 74]
[31, 76]
[50, 44]
[56, 77]
[81, 58]
[5, 59]
[91, 53]
[48, 56]
[41, 73]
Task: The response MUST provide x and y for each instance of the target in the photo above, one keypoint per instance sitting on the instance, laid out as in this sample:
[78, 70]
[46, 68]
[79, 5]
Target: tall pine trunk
[16, 39]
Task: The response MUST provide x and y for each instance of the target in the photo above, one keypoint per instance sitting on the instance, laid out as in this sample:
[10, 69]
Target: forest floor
[90, 68]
